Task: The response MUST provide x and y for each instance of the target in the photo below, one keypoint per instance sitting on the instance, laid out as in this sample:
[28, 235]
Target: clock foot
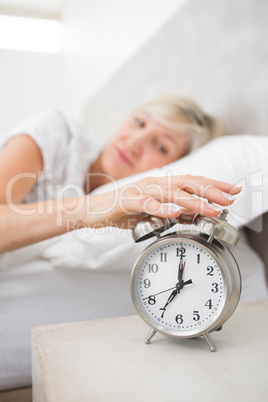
[151, 333]
[209, 341]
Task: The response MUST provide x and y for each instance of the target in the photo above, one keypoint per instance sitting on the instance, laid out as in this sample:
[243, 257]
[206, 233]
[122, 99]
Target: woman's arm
[25, 224]
[21, 154]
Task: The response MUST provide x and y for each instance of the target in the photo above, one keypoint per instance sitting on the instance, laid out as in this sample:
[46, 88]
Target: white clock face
[179, 286]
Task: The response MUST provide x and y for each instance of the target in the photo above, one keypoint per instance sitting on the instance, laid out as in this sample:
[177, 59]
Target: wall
[213, 51]
[118, 54]
[100, 36]
[29, 83]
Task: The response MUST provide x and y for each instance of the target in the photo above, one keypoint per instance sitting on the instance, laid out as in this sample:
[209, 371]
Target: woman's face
[142, 144]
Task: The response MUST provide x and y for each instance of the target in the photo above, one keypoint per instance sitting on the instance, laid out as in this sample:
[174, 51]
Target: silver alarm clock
[186, 285]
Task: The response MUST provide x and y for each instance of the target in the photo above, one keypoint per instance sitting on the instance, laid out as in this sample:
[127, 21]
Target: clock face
[178, 287]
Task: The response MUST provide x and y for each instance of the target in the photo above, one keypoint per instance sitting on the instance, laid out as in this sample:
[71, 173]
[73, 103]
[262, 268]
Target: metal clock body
[186, 285]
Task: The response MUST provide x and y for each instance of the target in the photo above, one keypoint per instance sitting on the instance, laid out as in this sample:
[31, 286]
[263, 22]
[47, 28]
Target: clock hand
[186, 283]
[169, 300]
[159, 293]
[163, 291]
[179, 286]
[180, 270]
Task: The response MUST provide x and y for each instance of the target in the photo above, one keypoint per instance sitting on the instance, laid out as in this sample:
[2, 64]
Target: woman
[49, 168]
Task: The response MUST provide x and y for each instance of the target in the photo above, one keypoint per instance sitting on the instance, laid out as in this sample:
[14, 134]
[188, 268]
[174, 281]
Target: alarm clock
[186, 283]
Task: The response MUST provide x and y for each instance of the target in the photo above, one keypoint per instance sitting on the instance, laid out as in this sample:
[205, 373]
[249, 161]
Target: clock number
[147, 283]
[179, 319]
[153, 268]
[151, 300]
[209, 304]
[181, 251]
[216, 288]
[196, 316]
[210, 270]
[198, 258]
[163, 257]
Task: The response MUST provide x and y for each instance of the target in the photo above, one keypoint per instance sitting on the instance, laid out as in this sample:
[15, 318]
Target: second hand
[185, 283]
[160, 292]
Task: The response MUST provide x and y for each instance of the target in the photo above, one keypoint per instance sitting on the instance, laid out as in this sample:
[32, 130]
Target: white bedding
[86, 275]
[36, 293]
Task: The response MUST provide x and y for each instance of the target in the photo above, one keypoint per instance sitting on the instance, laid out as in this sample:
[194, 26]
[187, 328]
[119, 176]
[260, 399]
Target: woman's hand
[125, 206]
[25, 224]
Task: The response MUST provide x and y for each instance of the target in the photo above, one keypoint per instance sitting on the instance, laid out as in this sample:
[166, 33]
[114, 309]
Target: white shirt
[67, 148]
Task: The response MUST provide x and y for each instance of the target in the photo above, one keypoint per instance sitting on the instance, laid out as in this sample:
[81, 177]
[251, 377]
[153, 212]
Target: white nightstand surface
[107, 360]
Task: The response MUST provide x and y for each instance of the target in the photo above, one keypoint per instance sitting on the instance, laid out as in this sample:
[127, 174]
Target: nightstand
[107, 360]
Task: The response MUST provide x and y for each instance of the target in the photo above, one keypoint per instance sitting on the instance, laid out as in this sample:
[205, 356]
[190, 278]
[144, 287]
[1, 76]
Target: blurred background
[95, 39]
[96, 60]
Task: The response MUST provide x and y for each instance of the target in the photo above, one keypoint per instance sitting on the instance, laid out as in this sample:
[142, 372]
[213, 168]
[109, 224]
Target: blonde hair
[184, 115]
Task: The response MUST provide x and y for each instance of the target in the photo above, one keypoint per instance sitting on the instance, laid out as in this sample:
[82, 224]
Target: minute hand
[180, 270]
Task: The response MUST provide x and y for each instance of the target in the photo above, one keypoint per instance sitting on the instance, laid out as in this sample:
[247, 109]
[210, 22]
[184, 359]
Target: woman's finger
[216, 191]
[198, 185]
[201, 184]
[184, 193]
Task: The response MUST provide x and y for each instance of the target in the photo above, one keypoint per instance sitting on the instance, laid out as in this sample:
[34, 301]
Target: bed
[37, 285]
